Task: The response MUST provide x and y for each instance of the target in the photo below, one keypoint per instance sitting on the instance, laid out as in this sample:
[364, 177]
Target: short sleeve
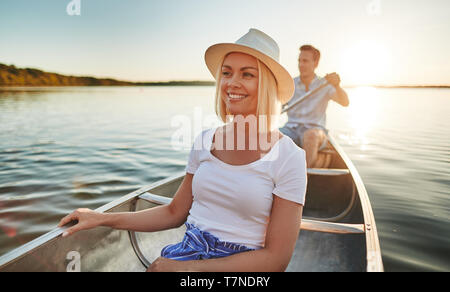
[332, 93]
[290, 183]
[193, 162]
[194, 155]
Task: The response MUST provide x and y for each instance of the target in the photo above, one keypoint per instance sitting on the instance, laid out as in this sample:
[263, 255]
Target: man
[306, 121]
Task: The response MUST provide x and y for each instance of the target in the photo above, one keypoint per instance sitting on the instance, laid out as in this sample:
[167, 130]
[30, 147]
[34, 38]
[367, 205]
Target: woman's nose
[234, 82]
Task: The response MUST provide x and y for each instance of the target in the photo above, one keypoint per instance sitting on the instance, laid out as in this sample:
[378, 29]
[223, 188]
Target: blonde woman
[243, 194]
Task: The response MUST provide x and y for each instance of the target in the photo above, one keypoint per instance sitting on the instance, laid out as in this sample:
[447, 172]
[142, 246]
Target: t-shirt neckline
[211, 137]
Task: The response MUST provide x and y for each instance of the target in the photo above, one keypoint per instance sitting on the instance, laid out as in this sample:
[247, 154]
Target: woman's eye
[226, 73]
[246, 74]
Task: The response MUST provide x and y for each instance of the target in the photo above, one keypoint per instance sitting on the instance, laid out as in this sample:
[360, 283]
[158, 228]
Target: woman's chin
[240, 113]
[238, 110]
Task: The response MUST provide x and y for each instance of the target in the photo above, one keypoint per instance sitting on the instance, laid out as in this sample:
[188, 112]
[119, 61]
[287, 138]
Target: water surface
[66, 148]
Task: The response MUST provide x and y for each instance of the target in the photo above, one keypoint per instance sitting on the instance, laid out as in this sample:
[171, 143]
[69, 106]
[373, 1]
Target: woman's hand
[167, 265]
[86, 218]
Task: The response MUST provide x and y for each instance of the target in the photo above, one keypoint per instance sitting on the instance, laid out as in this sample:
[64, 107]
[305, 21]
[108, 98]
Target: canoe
[338, 230]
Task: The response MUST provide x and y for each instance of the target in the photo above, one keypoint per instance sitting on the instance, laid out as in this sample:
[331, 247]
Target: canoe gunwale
[23, 250]
[373, 250]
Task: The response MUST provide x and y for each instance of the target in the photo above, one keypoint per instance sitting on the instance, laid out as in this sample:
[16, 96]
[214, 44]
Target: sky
[367, 42]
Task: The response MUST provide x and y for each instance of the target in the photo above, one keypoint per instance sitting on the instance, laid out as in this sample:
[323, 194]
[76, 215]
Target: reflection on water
[363, 112]
[399, 141]
[65, 148]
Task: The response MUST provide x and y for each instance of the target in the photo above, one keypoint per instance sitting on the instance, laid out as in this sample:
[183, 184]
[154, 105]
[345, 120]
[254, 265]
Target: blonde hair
[269, 106]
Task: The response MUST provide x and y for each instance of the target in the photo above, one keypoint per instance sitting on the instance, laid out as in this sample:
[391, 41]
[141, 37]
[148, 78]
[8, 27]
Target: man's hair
[316, 52]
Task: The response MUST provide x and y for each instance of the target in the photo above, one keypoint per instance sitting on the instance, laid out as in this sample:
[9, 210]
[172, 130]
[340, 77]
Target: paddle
[304, 97]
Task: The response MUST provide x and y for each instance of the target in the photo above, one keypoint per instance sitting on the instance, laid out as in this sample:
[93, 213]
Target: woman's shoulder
[289, 146]
[290, 162]
[289, 152]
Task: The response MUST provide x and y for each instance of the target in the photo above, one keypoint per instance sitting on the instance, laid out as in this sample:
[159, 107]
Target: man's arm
[341, 96]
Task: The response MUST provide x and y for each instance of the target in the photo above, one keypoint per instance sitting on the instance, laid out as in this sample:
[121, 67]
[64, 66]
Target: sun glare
[363, 112]
[365, 63]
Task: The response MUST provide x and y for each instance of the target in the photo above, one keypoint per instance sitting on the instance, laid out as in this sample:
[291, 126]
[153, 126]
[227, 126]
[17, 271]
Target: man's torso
[310, 113]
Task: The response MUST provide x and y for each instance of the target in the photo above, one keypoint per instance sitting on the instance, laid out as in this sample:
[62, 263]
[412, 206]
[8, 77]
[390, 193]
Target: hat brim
[215, 54]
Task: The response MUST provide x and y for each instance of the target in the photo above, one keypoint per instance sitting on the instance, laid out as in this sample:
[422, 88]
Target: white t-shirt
[234, 203]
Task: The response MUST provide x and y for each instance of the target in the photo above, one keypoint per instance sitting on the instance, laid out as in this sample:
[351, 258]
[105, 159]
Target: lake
[82, 147]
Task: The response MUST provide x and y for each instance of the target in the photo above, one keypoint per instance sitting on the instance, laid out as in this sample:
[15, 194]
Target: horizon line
[210, 82]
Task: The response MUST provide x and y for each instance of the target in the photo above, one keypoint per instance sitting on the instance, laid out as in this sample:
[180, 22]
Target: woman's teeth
[236, 96]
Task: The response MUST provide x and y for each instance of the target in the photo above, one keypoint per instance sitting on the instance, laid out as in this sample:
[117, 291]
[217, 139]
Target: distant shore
[11, 76]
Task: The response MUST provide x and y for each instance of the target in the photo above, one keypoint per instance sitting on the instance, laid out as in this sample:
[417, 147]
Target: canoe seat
[155, 199]
[328, 171]
[327, 151]
[325, 157]
[330, 227]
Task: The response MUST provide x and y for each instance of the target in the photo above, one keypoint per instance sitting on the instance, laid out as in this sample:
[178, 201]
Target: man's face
[306, 63]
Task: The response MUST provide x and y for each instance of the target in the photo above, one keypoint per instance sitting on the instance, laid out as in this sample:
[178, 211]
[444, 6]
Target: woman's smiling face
[239, 84]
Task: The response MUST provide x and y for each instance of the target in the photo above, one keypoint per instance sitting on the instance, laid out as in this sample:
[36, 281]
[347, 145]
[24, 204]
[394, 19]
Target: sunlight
[365, 63]
[363, 113]
[359, 119]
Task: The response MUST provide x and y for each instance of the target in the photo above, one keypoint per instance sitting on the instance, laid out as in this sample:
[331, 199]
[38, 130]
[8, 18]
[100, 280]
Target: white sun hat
[261, 46]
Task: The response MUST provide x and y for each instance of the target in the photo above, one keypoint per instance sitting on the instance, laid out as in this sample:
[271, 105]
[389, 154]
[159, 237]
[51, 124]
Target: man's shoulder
[318, 79]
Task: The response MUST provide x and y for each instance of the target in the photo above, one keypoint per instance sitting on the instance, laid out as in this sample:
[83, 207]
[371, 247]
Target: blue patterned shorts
[199, 245]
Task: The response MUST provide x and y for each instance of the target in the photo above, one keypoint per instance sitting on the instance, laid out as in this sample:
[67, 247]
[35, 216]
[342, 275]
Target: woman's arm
[281, 236]
[150, 220]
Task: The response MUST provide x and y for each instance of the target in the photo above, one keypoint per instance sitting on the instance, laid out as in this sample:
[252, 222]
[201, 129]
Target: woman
[243, 194]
